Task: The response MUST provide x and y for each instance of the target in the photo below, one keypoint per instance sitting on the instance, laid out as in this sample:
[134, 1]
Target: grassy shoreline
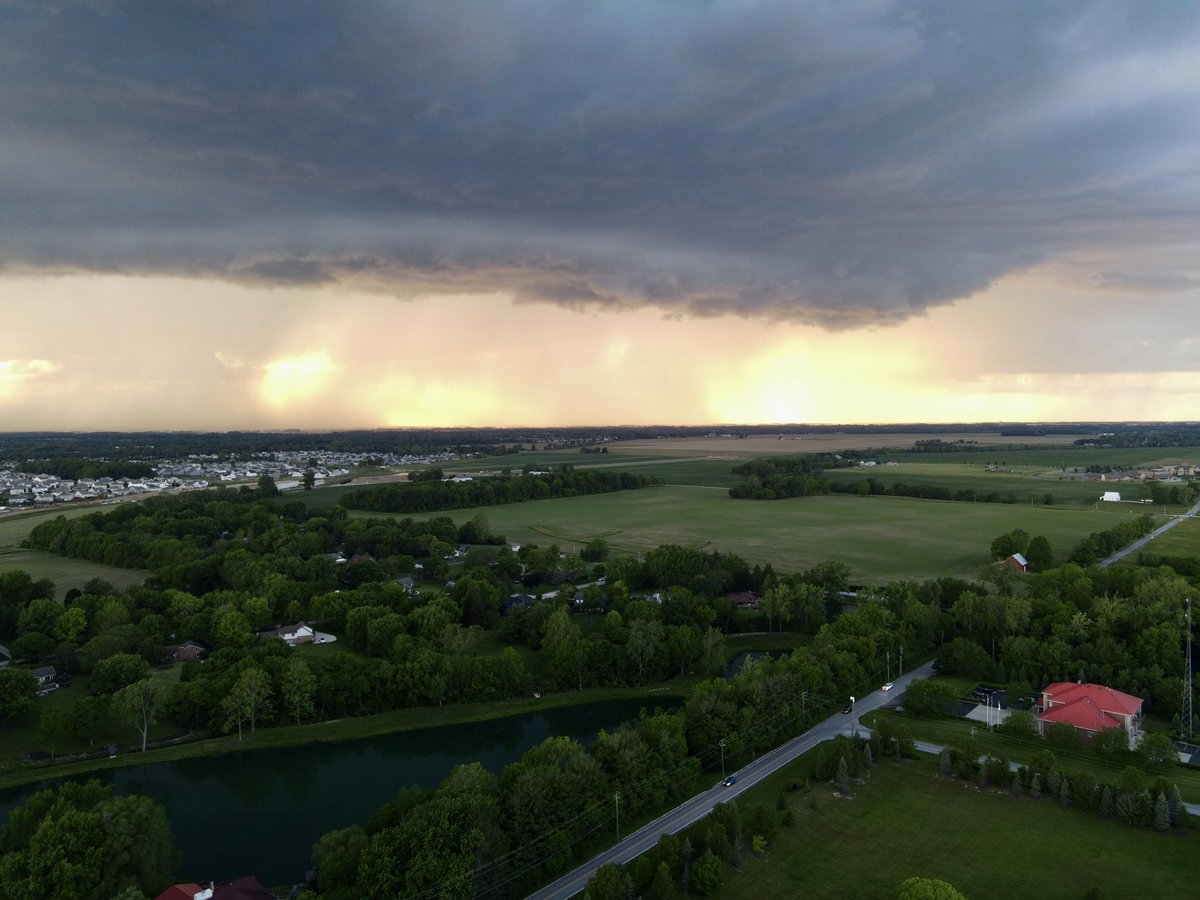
[347, 729]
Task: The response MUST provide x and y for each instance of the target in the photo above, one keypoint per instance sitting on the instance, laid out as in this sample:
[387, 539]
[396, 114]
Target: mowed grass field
[65, 573]
[879, 538]
[905, 821]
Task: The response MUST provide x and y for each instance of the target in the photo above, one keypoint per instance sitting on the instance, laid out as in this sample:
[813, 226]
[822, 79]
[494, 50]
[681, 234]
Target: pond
[259, 812]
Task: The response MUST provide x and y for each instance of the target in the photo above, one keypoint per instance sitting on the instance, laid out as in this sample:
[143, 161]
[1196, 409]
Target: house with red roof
[1089, 707]
[186, 891]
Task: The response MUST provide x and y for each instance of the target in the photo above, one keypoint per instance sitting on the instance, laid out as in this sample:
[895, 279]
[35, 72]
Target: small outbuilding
[1017, 562]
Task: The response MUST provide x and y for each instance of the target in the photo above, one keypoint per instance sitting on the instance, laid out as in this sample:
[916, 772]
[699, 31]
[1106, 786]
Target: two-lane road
[702, 804]
[1142, 542]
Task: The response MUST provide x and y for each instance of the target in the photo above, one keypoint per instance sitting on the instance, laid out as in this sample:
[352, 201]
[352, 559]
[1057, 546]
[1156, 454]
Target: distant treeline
[1100, 544]
[487, 441]
[783, 477]
[75, 468]
[1177, 436]
[434, 496]
[874, 487]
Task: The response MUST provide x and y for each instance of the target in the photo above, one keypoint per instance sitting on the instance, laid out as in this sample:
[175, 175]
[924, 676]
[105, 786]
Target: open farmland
[1058, 457]
[880, 538]
[905, 821]
[829, 442]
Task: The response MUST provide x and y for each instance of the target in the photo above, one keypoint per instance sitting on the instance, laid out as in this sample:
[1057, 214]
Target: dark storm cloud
[845, 163]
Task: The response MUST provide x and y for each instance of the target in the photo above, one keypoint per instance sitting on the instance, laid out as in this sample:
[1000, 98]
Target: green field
[880, 538]
[15, 527]
[1058, 457]
[64, 572]
[1182, 540]
[905, 821]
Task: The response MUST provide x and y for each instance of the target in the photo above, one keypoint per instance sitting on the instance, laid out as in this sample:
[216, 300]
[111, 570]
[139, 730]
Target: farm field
[66, 573]
[905, 821]
[789, 442]
[1059, 457]
[880, 538]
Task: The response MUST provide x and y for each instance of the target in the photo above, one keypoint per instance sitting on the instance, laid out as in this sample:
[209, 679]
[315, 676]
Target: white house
[1111, 497]
[300, 633]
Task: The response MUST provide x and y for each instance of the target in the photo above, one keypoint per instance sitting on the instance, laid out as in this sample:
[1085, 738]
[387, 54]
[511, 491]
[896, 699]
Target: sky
[240, 215]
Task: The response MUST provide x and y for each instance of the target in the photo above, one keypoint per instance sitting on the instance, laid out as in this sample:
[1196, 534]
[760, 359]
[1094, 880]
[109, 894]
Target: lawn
[880, 538]
[905, 821]
[66, 573]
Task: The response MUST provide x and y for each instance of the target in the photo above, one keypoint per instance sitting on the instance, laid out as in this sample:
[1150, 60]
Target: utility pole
[1187, 675]
[722, 759]
[901, 660]
[803, 710]
[617, 804]
[889, 666]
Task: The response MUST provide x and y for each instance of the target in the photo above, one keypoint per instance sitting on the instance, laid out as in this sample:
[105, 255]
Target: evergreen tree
[1175, 801]
[1035, 786]
[944, 761]
[868, 756]
[1162, 813]
[1106, 802]
[1064, 793]
[842, 778]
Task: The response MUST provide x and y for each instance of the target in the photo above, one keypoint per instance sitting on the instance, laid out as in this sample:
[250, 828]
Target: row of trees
[1133, 797]
[1101, 544]
[435, 495]
[865, 487]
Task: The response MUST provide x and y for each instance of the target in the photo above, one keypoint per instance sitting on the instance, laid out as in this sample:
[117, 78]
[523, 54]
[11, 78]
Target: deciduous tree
[298, 686]
[138, 704]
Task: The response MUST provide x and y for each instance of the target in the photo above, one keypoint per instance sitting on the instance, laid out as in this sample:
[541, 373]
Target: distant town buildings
[197, 472]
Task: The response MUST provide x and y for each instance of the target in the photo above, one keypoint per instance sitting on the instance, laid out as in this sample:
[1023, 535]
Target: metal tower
[1187, 713]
